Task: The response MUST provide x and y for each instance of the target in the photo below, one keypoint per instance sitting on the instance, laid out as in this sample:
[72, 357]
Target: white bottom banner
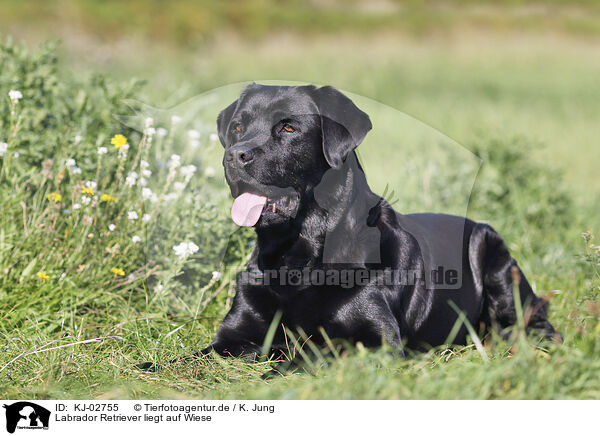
[299, 417]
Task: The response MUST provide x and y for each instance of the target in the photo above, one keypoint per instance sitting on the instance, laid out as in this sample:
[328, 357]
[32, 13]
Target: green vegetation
[197, 22]
[73, 327]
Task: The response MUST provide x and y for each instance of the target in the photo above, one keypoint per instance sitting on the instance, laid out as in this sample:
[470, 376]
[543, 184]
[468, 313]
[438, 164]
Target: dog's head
[279, 142]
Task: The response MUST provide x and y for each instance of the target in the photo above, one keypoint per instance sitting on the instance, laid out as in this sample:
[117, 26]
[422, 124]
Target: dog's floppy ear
[343, 125]
[223, 121]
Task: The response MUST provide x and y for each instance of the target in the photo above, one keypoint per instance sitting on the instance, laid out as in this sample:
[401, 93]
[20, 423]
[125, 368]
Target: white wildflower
[16, 154]
[150, 131]
[15, 96]
[132, 215]
[149, 122]
[194, 143]
[3, 148]
[76, 170]
[69, 163]
[213, 137]
[185, 249]
[112, 227]
[209, 172]
[174, 161]
[146, 218]
[102, 150]
[172, 196]
[216, 275]
[131, 179]
[135, 239]
[187, 171]
[175, 119]
[147, 193]
[144, 164]
[86, 200]
[78, 139]
[91, 184]
[162, 132]
[143, 181]
[76, 206]
[146, 173]
[193, 134]
[123, 152]
[179, 186]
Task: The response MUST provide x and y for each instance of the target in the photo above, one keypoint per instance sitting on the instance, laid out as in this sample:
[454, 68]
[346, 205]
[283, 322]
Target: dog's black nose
[239, 154]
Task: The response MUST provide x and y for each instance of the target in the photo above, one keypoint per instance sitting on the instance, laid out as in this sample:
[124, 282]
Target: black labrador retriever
[332, 256]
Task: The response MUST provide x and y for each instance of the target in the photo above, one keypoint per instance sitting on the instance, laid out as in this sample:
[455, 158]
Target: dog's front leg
[243, 329]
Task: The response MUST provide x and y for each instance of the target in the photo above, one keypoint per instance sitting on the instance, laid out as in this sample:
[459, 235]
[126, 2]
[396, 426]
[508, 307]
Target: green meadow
[116, 246]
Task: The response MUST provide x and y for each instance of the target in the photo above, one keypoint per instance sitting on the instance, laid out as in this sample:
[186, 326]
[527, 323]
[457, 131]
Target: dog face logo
[26, 415]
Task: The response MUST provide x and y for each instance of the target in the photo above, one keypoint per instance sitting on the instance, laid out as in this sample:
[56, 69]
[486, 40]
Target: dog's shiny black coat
[283, 142]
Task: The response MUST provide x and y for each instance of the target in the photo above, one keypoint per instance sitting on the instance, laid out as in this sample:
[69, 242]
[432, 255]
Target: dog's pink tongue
[247, 208]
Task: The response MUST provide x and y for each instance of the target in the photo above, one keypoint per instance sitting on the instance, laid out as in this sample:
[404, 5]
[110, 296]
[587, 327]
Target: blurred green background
[470, 69]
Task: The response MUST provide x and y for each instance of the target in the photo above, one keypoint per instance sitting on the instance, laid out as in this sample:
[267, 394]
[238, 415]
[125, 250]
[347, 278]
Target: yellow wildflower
[86, 190]
[118, 141]
[54, 196]
[117, 271]
[108, 198]
[43, 276]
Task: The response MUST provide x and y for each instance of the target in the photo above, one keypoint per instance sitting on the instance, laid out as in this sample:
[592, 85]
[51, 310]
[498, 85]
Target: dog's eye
[237, 128]
[287, 128]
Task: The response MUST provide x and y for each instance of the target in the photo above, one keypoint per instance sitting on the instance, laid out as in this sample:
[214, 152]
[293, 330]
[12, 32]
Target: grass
[529, 116]
[192, 23]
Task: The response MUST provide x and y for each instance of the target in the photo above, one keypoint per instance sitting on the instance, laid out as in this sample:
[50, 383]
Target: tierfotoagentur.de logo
[24, 415]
